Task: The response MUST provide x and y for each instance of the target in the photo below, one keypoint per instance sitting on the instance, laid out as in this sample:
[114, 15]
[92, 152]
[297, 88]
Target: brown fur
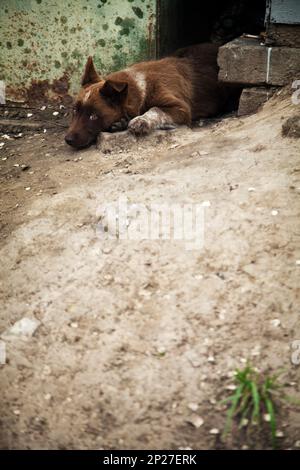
[154, 94]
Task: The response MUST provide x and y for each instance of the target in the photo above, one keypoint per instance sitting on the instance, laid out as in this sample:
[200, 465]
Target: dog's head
[99, 104]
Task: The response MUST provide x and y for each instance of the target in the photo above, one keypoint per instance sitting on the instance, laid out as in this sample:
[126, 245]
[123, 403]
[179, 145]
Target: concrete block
[247, 61]
[252, 98]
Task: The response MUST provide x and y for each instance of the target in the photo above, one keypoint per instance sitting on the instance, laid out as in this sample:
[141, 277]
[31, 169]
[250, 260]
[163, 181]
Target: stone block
[248, 61]
[252, 98]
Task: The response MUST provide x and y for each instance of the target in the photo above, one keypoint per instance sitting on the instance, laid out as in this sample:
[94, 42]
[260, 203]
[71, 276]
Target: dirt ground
[138, 338]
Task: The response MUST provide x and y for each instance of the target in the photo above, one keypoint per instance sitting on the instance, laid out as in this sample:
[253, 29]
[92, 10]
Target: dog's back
[190, 74]
[210, 97]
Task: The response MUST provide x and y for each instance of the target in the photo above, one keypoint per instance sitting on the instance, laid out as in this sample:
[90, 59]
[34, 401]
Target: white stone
[196, 421]
[206, 204]
[231, 387]
[276, 322]
[193, 406]
[24, 327]
[214, 431]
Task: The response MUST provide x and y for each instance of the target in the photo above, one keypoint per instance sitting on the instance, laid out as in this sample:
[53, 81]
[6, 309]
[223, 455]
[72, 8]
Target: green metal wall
[44, 43]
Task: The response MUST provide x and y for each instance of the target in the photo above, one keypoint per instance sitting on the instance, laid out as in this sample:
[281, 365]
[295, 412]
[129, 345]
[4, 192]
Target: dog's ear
[90, 75]
[115, 90]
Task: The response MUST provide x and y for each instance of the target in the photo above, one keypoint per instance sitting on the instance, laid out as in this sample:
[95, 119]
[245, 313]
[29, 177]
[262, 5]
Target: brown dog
[149, 95]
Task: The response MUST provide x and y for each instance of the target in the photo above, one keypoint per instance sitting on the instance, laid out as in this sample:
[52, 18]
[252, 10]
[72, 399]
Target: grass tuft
[255, 396]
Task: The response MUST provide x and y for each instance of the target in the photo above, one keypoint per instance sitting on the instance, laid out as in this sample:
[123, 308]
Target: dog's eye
[93, 117]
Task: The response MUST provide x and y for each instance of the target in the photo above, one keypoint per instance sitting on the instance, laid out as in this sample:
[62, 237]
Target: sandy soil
[134, 334]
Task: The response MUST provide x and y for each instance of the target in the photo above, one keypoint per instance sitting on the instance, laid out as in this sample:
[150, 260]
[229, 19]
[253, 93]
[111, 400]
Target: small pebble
[28, 188]
[267, 417]
[48, 396]
[196, 421]
[74, 325]
[55, 113]
[251, 190]
[211, 359]
[231, 387]
[193, 406]
[206, 204]
[298, 262]
[161, 350]
[43, 108]
[274, 212]
[17, 412]
[198, 276]
[279, 433]
[214, 431]
[276, 322]
[29, 114]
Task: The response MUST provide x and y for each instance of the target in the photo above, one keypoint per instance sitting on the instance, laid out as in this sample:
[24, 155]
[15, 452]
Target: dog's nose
[69, 139]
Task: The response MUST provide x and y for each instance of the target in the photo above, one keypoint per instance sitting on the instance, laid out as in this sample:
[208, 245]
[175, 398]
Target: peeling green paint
[42, 41]
[139, 13]
[101, 43]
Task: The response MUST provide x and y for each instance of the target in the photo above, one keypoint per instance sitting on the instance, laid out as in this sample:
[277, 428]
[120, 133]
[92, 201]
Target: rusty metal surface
[45, 43]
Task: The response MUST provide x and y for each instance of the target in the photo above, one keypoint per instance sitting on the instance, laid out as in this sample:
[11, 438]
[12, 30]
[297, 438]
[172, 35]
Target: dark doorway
[186, 22]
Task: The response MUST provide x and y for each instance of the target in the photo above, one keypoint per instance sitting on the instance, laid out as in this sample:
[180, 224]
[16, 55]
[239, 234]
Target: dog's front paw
[119, 125]
[139, 126]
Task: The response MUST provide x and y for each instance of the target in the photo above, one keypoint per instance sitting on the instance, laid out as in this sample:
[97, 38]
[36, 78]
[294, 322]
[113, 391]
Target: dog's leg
[166, 117]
